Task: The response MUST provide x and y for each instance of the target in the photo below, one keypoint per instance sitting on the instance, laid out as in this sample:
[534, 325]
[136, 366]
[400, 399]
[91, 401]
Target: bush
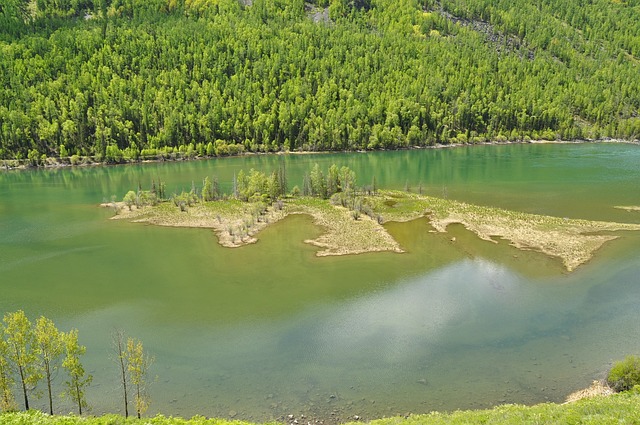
[625, 374]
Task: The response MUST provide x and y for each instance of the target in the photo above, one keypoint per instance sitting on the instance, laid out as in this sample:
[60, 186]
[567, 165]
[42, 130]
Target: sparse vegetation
[353, 216]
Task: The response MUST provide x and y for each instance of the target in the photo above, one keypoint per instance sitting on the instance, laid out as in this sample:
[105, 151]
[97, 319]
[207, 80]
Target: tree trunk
[124, 386]
[24, 389]
[138, 401]
[50, 396]
[78, 399]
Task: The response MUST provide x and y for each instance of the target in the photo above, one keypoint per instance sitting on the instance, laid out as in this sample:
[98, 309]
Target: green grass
[623, 408]
[615, 409]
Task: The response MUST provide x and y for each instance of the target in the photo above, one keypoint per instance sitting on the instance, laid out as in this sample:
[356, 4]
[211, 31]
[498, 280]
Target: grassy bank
[616, 409]
[237, 223]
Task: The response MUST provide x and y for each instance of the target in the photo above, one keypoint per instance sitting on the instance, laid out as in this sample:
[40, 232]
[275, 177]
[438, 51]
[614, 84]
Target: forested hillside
[123, 79]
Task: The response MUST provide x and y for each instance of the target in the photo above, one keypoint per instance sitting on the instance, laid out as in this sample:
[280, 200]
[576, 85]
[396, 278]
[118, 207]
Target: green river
[268, 330]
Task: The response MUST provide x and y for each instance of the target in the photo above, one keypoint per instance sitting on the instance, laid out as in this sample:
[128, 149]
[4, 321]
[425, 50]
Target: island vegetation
[353, 215]
[85, 81]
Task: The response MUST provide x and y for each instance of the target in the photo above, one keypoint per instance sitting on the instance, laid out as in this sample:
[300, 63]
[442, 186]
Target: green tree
[49, 346]
[130, 199]
[318, 182]
[15, 9]
[138, 363]
[306, 185]
[333, 180]
[20, 340]
[207, 190]
[78, 380]
[7, 401]
[347, 179]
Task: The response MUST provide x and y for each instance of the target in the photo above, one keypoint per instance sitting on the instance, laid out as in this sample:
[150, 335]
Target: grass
[343, 234]
[615, 409]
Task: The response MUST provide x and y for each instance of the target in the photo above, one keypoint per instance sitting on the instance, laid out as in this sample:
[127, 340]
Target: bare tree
[120, 349]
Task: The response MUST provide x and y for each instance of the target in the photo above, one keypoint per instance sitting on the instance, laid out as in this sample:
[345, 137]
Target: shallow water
[269, 329]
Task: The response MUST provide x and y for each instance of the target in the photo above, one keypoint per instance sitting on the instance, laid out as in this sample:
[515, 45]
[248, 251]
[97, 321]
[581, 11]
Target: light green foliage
[49, 346]
[384, 74]
[318, 182]
[77, 380]
[7, 401]
[21, 342]
[138, 363]
[130, 199]
[333, 180]
[207, 190]
[625, 374]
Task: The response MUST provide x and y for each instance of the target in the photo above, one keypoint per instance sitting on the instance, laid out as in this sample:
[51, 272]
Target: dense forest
[116, 80]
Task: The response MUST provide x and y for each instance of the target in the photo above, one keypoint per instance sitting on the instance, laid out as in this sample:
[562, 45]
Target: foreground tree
[134, 364]
[120, 349]
[78, 380]
[20, 340]
[49, 348]
[7, 402]
[138, 367]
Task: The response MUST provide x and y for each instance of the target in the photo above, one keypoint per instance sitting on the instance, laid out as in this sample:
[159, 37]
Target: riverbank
[613, 409]
[236, 223]
[90, 161]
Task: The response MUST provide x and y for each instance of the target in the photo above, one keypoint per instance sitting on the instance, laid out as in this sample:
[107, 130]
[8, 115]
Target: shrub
[625, 374]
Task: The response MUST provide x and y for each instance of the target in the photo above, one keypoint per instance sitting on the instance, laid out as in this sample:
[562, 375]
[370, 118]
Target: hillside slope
[125, 79]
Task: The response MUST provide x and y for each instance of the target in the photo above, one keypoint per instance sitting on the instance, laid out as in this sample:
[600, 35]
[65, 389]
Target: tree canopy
[128, 79]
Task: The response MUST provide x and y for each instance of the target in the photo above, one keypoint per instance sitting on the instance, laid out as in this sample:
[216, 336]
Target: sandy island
[237, 223]
[629, 208]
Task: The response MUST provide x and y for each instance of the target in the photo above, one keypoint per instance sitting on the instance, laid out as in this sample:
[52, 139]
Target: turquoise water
[268, 330]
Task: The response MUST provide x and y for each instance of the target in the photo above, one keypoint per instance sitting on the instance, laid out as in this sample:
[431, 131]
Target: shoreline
[54, 163]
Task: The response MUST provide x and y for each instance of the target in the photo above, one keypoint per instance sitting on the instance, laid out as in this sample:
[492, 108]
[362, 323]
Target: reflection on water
[471, 334]
[269, 330]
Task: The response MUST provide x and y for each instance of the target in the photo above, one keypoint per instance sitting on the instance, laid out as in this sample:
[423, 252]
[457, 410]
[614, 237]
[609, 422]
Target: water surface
[269, 329]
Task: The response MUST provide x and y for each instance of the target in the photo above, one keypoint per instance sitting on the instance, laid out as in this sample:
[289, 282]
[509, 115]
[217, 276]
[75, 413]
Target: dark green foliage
[625, 374]
[184, 78]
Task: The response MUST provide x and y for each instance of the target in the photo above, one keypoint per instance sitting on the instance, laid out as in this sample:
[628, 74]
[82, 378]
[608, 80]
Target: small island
[353, 216]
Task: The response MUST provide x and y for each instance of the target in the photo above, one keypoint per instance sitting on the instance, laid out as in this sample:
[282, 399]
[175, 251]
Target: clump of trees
[259, 187]
[141, 198]
[134, 363]
[338, 184]
[625, 374]
[34, 352]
